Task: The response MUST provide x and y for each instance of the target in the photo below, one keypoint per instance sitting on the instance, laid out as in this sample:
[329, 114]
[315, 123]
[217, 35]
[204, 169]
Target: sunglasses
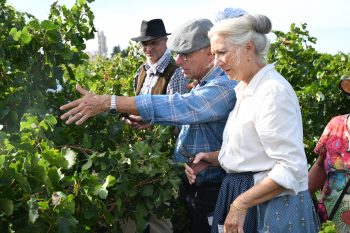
[152, 43]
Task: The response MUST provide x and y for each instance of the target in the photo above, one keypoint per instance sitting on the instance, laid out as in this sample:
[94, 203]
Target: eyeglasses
[151, 43]
[183, 56]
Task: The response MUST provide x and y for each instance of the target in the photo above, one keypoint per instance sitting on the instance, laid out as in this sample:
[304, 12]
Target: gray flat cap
[190, 36]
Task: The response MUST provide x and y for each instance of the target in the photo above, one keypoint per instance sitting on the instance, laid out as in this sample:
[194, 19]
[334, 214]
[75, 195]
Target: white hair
[241, 30]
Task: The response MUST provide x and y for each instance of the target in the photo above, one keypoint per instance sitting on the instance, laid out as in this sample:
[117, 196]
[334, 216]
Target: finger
[73, 118]
[82, 119]
[188, 173]
[189, 169]
[191, 179]
[71, 105]
[135, 125]
[135, 118]
[71, 113]
[81, 90]
[126, 121]
[197, 159]
[145, 126]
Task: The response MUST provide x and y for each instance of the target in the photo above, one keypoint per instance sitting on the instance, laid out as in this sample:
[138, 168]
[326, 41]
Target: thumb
[197, 159]
[81, 90]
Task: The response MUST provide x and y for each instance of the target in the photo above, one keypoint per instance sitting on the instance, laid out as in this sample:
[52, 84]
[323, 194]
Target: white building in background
[102, 45]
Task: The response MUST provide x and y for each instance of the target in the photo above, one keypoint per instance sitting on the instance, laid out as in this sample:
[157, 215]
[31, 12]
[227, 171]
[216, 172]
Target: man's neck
[209, 68]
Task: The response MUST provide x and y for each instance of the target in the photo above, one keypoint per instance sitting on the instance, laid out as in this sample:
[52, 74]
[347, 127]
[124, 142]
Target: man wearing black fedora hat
[159, 74]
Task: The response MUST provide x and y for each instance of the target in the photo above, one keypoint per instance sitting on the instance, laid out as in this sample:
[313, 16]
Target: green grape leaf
[6, 205]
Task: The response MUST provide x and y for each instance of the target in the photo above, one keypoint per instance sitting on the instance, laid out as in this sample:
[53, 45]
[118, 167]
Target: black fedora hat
[151, 30]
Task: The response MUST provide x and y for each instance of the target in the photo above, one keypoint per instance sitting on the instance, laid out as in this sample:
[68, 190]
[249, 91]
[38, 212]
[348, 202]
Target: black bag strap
[340, 198]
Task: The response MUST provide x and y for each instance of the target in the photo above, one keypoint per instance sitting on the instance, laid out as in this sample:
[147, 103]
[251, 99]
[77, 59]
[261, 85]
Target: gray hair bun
[261, 23]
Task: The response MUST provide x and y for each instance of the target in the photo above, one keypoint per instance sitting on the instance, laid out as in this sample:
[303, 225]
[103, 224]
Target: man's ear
[208, 51]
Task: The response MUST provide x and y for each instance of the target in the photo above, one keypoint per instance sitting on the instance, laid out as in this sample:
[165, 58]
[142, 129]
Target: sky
[120, 20]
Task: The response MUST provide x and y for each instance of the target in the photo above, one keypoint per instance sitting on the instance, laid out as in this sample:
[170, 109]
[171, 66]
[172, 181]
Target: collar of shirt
[242, 89]
[160, 65]
[212, 73]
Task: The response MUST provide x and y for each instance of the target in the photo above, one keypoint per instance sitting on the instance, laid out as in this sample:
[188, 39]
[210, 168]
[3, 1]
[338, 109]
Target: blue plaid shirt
[201, 115]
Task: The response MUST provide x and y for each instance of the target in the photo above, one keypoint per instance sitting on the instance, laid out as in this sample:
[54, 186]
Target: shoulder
[218, 77]
[338, 119]
[141, 67]
[275, 84]
[219, 87]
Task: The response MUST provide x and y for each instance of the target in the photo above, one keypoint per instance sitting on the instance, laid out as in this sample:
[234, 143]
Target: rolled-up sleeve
[279, 126]
[211, 102]
[145, 107]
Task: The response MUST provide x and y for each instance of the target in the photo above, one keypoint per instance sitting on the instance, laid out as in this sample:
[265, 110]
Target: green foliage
[34, 55]
[315, 78]
[59, 178]
[328, 227]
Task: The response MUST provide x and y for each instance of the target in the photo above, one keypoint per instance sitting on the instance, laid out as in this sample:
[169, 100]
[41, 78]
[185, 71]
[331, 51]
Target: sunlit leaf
[33, 209]
[6, 205]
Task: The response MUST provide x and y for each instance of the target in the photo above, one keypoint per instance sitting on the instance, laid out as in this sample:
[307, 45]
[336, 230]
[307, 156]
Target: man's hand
[198, 164]
[136, 122]
[87, 106]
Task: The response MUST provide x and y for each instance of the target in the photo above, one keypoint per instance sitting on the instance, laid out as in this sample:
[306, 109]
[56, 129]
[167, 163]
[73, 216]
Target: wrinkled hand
[234, 221]
[195, 167]
[136, 122]
[87, 106]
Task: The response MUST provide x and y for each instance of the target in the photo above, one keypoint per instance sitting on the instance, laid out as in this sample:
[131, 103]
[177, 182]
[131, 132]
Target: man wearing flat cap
[200, 114]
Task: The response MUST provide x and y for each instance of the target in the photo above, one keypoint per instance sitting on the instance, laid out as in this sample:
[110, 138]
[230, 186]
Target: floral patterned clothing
[335, 148]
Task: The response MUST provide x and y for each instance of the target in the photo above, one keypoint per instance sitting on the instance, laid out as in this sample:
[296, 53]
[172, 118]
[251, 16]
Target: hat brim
[147, 38]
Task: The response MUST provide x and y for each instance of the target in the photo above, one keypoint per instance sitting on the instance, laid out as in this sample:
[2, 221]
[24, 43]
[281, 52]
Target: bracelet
[235, 207]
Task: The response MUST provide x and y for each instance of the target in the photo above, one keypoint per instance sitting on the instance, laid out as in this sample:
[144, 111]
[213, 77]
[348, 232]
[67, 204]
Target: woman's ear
[250, 46]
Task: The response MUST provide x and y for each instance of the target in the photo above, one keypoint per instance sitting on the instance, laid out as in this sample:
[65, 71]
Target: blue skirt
[231, 187]
[288, 213]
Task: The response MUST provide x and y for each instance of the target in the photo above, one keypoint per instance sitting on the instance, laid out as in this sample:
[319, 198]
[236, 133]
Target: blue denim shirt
[201, 115]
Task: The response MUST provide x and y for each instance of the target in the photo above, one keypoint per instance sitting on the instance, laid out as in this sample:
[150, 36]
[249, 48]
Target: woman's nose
[217, 62]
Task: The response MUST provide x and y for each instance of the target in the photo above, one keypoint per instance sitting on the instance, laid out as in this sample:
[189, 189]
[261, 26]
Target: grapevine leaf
[6, 205]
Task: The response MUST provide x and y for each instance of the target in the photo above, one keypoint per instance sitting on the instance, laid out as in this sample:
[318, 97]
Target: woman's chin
[231, 76]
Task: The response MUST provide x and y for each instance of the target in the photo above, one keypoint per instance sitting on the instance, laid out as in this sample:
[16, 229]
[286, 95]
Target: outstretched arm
[90, 105]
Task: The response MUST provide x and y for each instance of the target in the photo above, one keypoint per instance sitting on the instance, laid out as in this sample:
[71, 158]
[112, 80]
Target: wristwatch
[113, 107]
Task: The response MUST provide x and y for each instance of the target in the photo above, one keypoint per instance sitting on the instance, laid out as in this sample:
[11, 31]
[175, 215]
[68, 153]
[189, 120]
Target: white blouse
[264, 132]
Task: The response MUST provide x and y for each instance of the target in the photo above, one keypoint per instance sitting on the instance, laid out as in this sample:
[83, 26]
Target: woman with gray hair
[266, 186]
